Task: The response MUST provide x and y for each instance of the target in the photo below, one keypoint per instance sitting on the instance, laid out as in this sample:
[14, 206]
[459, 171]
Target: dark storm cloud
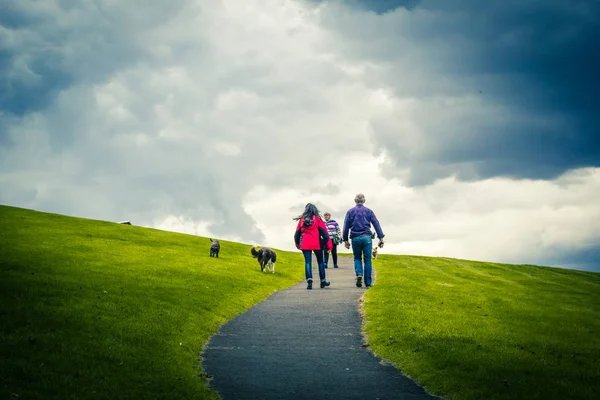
[587, 259]
[378, 6]
[546, 56]
[27, 81]
[20, 95]
[45, 48]
[537, 61]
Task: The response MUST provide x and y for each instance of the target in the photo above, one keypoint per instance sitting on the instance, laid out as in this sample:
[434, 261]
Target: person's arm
[297, 235]
[377, 226]
[323, 229]
[328, 242]
[323, 236]
[347, 222]
[325, 240]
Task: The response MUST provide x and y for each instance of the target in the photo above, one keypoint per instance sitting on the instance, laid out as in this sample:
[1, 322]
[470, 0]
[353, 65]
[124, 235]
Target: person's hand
[347, 244]
[380, 243]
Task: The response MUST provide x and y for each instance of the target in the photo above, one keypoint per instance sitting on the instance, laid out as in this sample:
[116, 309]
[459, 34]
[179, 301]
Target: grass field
[473, 330]
[99, 310]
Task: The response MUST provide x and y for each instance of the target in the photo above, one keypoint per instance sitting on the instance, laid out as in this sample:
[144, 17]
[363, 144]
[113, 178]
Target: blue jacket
[358, 222]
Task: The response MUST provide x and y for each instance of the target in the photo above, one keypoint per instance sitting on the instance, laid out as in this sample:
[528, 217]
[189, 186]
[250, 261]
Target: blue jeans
[362, 246]
[308, 263]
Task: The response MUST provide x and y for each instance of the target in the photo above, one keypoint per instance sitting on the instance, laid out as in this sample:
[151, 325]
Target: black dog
[215, 247]
[266, 258]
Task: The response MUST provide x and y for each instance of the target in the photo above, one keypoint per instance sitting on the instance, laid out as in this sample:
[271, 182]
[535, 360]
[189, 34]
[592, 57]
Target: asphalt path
[303, 344]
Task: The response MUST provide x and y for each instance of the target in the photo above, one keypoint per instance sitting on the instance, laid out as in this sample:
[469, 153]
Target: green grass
[99, 310]
[473, 330]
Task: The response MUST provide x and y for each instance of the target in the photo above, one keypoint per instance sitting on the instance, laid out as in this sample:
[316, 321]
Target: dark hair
[310, 211]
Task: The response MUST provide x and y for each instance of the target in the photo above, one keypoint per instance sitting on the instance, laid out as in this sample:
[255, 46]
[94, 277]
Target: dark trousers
[333, 256]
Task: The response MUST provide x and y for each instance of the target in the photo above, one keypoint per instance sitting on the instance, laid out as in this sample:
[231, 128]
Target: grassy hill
[92, 309]
[474, 330]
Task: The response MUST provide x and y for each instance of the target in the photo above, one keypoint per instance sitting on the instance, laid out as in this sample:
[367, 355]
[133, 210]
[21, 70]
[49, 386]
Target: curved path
[303, 344]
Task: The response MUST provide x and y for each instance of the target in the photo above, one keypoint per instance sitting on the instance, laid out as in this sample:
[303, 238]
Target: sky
[471, 127]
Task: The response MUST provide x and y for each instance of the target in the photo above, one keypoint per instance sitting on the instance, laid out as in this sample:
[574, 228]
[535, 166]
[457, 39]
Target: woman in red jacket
[311, 236]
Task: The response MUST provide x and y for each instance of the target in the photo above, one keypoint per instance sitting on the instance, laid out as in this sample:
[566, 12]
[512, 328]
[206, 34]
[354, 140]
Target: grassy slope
[472, 330]
[93, 309]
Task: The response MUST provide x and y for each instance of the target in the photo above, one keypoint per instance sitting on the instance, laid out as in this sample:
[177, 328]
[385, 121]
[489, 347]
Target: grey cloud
[586, 259]
[138, 112]
[136, 136]
[377, 6]
[297, 208]
[530, 67]
[329, 189]
[47, 47]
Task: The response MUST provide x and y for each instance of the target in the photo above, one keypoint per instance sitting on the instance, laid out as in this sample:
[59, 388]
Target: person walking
[357, 225]
[311, 236]
[335, 233]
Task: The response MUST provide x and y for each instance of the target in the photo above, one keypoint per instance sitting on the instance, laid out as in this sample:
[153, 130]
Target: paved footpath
[303, 344]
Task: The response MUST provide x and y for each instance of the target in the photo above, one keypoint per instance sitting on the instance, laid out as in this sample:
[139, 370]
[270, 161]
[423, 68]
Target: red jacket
[313, 236]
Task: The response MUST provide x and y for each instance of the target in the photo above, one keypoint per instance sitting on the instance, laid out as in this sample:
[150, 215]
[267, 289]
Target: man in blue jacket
[357, 225]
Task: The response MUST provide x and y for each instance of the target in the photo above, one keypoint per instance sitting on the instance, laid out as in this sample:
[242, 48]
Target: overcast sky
[472, 127]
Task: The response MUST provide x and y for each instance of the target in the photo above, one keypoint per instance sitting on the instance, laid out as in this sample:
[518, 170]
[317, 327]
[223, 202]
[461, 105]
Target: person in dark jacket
[311, 236]
[357, 225]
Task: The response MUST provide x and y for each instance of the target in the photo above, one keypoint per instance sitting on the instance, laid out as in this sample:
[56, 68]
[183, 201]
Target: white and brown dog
[266, 258]
[375, 252]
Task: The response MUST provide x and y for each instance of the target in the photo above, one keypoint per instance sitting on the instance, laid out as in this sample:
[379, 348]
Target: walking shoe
[359, 281]
[335, 266]
[309, 285]
[325, 283]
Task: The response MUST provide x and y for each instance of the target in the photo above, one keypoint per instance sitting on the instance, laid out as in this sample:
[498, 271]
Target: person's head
[310, 210]
[327, 216]
[359, 198]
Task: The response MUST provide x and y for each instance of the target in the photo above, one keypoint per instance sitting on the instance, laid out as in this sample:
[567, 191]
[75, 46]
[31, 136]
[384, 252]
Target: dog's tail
[254, 252]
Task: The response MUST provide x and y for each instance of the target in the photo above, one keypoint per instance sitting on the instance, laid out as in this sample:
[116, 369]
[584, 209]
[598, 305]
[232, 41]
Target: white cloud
[494, 220]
